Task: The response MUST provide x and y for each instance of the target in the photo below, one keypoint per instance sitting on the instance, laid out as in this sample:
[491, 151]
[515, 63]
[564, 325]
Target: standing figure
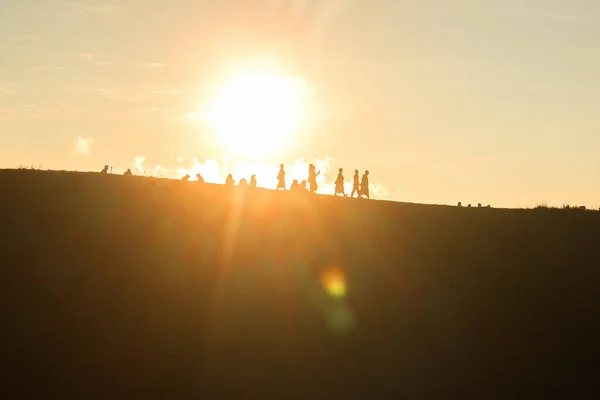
[364, 185]
[339, 183]
[243, 183]
[355, 184]
[312, 178]
[229, 181]
[128, 172]
[281, 178]
[186, 178]
[253, 181]
[200, 178]
[104, 170]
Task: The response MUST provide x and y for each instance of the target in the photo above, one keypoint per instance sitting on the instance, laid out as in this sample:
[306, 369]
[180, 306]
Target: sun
[256, 114]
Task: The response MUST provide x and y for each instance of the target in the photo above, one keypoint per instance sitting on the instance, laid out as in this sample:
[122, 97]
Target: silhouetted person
[312, 178]
[243, 183]
[302, 185]
[128, 172]
[253, 181]
[281, 178]
[339, 183]
[364, 185]
[200, 178]
[186, 178]
[356, 184]
[295, 186]
[229, 181]
[104, 170]
[459, 204]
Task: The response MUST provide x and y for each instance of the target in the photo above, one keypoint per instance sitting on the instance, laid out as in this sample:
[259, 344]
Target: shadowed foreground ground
[116, 287]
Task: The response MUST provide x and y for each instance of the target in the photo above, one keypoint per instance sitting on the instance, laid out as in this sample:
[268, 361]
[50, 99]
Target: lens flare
[334, 282]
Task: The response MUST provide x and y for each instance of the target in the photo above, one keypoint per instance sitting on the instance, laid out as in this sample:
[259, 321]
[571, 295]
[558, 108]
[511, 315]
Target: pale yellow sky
[443, 101]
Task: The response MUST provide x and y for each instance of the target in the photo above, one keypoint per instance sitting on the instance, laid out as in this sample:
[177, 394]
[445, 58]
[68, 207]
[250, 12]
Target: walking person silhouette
[339, 184]
[281, 178]
[364, 185]
[355, 185]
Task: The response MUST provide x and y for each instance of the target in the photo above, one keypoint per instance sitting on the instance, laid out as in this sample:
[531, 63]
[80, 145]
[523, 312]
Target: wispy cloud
[4, 90]
[147, 64]
[92, 59]
[85, 56]
[83, 146]
[46, 68]
[108, 93]
[551, 16]
[166, 92]
[89, 8]
[138, 163]
[134, 94]
[47, 112]
[159, 171]
[524, 10]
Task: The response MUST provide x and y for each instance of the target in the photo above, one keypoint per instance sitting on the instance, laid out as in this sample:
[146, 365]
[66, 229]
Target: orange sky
[472, 101]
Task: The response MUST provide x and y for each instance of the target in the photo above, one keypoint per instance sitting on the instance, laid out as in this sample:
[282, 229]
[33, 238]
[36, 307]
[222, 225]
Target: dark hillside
[117, 287]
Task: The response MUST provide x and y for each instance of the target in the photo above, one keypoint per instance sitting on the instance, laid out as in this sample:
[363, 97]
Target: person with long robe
[339, 183]
[253, 181]
[364, 185]
[229, 181]
[356, 184]
[312, 178]
[281, 178]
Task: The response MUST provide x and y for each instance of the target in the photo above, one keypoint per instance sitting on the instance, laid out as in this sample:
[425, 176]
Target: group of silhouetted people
[359, 186]
[198, 177]
[229, 181]
[105, 171]
[295, 187]
[469, 205]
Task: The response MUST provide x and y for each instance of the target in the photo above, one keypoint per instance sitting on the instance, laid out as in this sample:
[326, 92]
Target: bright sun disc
[256, 114]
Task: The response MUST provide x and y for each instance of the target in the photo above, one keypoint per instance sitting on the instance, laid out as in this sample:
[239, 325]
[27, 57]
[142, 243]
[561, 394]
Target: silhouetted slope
[150, 288]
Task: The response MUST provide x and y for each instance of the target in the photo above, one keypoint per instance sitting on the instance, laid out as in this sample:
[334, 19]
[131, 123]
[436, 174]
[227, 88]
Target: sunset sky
[491, 101]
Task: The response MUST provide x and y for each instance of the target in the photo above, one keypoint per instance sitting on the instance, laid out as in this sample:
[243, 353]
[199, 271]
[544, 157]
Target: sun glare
[256, 114]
